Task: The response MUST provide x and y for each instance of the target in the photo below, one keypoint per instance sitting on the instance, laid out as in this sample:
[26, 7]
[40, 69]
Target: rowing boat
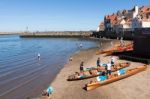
[119, 51]
[120, 45]
[94, 72]
[115, 77]
[128, 47]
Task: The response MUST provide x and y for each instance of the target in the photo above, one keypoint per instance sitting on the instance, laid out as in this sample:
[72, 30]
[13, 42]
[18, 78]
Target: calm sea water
[22, 75]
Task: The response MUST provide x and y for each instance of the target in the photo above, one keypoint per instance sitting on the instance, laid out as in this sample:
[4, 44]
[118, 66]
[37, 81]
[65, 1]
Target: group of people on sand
[108, 67]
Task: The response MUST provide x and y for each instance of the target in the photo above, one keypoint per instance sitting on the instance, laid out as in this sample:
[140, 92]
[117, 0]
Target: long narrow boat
[127, 47]
[119, 45]
[115, 77]
[119, 51]
[94, 72]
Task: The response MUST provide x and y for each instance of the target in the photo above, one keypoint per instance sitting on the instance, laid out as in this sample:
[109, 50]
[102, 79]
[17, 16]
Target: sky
[59, 15]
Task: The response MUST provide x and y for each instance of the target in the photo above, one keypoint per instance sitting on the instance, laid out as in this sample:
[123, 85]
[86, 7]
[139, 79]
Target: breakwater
[10, 33]
[58, 34]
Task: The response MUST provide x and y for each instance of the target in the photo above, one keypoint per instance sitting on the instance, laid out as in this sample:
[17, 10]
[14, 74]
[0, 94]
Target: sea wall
[9, 33]
[141, 46]
[128, 35]
[58, 34]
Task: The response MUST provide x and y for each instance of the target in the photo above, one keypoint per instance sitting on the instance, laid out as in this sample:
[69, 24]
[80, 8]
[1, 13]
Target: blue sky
[59, 15]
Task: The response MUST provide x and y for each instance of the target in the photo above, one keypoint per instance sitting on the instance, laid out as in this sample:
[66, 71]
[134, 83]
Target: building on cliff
[126, 20]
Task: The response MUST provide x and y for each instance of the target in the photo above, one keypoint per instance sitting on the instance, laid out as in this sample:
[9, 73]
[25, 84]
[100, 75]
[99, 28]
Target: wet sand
[134, 87]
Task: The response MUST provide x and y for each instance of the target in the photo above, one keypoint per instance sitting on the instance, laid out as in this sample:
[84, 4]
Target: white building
[135, 12]
[128, 20]
[98, 29]
[140, 23]
[101, 27]
[142, 20]
[123, 25]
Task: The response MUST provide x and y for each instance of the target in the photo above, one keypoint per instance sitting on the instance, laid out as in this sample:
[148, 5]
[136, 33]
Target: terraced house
[127, 20]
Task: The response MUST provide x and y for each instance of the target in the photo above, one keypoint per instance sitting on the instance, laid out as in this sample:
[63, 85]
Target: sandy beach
[134, 87]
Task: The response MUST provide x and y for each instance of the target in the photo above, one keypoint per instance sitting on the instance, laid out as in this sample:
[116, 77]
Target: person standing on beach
[48, 91]
[109, 68]
[81, 66]
[112, 61]
[111, 44]
[80, 45]
[98, 62]
[70, 59]
[39, 56]
[121, 41]
[101, 44]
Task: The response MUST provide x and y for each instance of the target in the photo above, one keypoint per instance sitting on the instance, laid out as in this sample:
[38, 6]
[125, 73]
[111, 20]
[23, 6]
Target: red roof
[145, 9]
[112, 18]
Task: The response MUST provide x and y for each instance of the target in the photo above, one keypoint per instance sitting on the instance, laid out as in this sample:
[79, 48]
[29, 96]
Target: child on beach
[80, 45]
[48, 91]
[98, 62]
[38, 56]
[81, 66]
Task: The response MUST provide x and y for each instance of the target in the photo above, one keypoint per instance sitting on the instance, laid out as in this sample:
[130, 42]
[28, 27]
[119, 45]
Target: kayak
[115, 77]
[94, 72]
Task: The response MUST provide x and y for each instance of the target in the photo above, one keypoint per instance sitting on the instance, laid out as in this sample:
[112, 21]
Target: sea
[22, 74]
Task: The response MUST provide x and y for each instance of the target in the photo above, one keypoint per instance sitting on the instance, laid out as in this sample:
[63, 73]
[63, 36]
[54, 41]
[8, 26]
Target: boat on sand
[114, 77]
[94, 72]
[128, 47]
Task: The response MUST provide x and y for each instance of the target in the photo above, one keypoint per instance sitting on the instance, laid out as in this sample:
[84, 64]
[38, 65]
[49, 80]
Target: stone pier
[57, 34]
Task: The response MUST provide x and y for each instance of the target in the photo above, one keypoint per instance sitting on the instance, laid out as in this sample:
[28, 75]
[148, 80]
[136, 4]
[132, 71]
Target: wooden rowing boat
[119, 51]
[128, 47]
[115, 77]
[119, 45]
[104, 51]
[94, 72]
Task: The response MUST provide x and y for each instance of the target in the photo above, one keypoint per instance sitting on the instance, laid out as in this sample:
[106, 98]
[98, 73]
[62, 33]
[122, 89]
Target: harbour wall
[128, 35]
[57, 34]
[9, 33]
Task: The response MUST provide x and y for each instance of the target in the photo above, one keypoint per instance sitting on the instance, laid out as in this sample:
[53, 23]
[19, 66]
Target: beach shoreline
[64, 89]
